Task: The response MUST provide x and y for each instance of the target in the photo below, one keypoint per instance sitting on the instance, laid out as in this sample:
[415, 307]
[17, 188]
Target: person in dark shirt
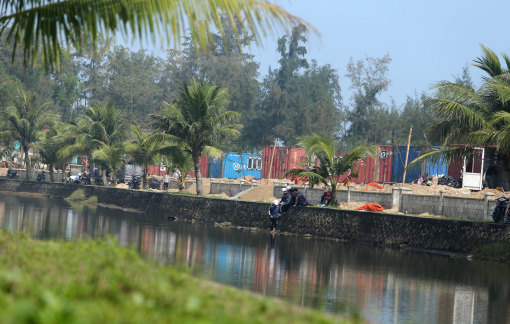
[291, 200]
[285, 197]
[489, 176]
[274, 212]
[300, 200]
[325, 197]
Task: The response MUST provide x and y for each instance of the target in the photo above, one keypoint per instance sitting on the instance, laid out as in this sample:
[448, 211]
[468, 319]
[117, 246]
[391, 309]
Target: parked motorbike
[154, 184]
[98, 181]
[135, 183]
[501, 213]
[85, 179]
[41, 176]
[12, 174]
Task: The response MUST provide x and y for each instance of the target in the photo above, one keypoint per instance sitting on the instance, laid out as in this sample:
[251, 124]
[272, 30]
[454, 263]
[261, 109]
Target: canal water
[383, 285]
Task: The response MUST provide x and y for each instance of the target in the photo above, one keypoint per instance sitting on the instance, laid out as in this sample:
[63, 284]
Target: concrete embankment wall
[406, 201]
[369, 227]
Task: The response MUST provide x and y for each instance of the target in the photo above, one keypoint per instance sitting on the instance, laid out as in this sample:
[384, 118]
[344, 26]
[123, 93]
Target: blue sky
[428, 41]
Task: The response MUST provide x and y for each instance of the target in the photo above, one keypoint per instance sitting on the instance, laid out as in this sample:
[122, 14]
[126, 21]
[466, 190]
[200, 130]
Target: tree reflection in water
[385, 285]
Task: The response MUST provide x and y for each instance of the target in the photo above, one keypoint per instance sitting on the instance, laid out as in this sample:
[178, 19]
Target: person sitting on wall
[76, 179]
[325, 197]
[291, 200]
[300, 199]
[274, 212]
[285, 196]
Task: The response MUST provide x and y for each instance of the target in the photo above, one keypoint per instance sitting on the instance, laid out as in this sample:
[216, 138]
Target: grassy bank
[97, 281]
[493, 252]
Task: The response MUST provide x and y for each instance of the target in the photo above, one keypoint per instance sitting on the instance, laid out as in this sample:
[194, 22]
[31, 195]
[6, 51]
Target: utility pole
[407, 154]
[272, 158]
[291, 136]
[375, 130]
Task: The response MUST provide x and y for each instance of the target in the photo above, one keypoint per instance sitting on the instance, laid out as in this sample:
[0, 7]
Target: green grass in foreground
[96, 281]
[493, 252]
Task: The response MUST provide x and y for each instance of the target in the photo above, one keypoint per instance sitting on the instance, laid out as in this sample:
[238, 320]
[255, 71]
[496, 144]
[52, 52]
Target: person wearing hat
[274, 212]
[285, 197]
[291, 199]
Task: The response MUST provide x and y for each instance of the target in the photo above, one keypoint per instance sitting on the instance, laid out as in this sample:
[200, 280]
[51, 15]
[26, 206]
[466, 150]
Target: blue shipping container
[435, 169]
[215, 167]
[236, 166]
[398, 164]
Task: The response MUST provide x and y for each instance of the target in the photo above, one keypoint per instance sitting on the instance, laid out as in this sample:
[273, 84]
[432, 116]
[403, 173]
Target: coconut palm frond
[44, 29]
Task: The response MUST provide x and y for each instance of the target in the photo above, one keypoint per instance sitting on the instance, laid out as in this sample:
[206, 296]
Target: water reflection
[385, 285]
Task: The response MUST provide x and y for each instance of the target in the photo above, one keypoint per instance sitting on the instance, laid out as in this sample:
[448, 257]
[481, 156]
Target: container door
[472, 171]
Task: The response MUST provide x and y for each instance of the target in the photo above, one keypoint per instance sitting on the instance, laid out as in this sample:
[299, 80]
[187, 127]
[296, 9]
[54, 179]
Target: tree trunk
[103, 173]
[64, 175]
[27, 162]
[333, 190]
[52, 179]
[91, 167]
[114, 177]
[198, 174]
[181, 182]
[145, 175]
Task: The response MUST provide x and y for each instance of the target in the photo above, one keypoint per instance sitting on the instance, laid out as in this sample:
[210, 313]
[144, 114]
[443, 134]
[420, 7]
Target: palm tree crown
[46, 27]
[330, 165]
[146, 150]
[24, 120]
[198, 121]
[476, 117]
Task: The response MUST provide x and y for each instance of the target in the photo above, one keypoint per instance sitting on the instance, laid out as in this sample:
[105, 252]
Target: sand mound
[206, 184]
[262, 192]
[122, 186]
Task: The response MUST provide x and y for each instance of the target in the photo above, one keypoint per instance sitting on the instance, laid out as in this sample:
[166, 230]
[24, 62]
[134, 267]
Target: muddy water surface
[383, 285]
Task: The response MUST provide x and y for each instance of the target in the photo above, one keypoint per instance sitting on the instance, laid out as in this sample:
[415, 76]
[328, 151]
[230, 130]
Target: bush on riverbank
[96, 281]
[493, 252]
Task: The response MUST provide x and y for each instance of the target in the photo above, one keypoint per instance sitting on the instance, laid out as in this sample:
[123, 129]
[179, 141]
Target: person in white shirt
[166, 181]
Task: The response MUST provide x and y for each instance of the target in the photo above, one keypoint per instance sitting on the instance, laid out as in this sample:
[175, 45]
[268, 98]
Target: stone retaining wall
[407, 202]
[230, 188]
[369, 227]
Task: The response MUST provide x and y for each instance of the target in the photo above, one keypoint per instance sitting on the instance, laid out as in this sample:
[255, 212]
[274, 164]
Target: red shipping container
[204, 165]
[274, 162]
[283, 160]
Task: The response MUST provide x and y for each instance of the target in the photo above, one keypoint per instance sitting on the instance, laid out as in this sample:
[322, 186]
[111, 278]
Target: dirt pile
[122, 186]
[206, 184]
[262, 192]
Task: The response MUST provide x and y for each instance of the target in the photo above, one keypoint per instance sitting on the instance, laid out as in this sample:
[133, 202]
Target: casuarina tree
[197, 121]
[330, 166]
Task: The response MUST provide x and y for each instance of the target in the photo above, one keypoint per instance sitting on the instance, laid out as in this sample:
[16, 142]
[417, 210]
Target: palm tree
[147, 150]
[24, 120]
[198, 120]
[476, 117]
[99, 124]
[110, 156]
[180, 160]
[48, 28]
[331, 166]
